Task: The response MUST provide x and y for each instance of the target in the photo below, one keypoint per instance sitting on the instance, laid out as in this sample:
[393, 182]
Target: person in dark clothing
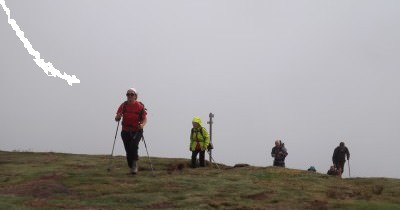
[279, 153]
[334, 171]
[339, 156]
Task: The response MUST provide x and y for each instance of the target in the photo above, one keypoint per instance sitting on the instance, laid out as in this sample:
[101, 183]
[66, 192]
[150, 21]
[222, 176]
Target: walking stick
[348, 163]
[151, 165]
[212, 159]
[112, 151]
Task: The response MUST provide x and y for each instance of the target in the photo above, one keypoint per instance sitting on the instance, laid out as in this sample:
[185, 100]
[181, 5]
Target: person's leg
[279, 163]
[275, 163]
[127, 139]
[136, 137]
[341, 166]
[194, 156]
[202, 157]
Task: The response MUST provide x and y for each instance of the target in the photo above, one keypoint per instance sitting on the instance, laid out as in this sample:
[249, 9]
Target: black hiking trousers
[202, 157]
[131, 141]
[340, 165]
[279, 163]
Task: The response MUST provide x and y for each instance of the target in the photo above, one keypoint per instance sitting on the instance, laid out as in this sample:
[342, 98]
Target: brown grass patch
[377, 189]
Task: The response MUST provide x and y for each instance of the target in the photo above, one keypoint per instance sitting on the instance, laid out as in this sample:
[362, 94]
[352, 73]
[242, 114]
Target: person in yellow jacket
[199, 141]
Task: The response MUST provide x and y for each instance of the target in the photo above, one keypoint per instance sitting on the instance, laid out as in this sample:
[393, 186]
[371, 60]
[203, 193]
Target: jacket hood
[197, 120]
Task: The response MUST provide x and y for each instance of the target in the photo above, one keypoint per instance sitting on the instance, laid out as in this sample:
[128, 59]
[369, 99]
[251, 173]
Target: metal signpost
[211, 115]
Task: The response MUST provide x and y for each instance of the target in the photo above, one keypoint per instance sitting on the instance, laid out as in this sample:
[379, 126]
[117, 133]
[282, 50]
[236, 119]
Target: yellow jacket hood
[197, 120]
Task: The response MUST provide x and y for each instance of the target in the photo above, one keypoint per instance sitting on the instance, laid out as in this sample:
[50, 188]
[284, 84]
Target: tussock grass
[68, 181]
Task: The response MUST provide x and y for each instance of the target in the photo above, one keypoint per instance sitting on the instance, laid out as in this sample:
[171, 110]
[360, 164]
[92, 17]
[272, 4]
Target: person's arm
[284, 151]
[334, 157]
[143, 123]
[347, 153]
[118, 115]
[143, 117]
[191, 140]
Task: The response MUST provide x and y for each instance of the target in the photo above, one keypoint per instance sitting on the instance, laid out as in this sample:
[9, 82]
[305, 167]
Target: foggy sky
[311, 73]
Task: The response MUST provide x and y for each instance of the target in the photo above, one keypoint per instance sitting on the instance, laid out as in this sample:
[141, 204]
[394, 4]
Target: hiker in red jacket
[133, 114]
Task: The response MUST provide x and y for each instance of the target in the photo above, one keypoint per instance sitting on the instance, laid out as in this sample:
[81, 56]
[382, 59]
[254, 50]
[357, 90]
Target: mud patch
[177, 167]
[162, 205]
[37, 202]
[43, 187]
[317, 204]
[80, 166]
[258, 196]
[343, 193]
[240, 165]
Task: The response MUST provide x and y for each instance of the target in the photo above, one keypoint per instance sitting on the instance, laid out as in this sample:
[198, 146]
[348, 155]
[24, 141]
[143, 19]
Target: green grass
[66, 181]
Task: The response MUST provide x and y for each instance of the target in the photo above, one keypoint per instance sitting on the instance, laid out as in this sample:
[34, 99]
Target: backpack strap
[201, 132]
[141, 112]
[124, 107]
[210, 146]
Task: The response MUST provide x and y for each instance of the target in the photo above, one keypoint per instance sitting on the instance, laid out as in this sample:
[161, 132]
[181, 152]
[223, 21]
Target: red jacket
[131, 116]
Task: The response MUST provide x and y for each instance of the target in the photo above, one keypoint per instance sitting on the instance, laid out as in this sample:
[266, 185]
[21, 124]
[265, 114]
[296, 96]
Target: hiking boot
[135, 167]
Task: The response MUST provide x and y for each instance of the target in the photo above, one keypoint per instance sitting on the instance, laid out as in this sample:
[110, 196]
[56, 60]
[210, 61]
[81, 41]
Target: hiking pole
[112, 151]
[148, 156]
[213, 159]
[348, 163]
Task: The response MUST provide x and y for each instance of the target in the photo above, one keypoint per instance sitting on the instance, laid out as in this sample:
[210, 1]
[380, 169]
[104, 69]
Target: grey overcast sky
[312, 73]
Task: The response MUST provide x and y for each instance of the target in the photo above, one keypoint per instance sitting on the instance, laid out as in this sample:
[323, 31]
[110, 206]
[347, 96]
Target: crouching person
[333, 171]
[199, 141]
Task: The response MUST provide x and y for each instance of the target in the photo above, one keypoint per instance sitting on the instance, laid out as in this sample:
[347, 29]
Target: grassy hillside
[67, 181]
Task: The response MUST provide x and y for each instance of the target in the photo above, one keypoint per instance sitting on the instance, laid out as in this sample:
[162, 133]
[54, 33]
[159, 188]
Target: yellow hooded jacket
[199, 135]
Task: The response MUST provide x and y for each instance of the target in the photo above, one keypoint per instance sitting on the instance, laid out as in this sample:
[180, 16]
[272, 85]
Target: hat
[132, 89]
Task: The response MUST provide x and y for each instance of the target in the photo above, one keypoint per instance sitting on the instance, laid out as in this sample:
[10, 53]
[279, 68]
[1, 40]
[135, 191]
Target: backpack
[312, 168]
[334, 171]
[210, 146]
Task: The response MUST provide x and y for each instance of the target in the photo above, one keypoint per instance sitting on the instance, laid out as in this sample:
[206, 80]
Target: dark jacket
[279, 153]
[340, 154]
